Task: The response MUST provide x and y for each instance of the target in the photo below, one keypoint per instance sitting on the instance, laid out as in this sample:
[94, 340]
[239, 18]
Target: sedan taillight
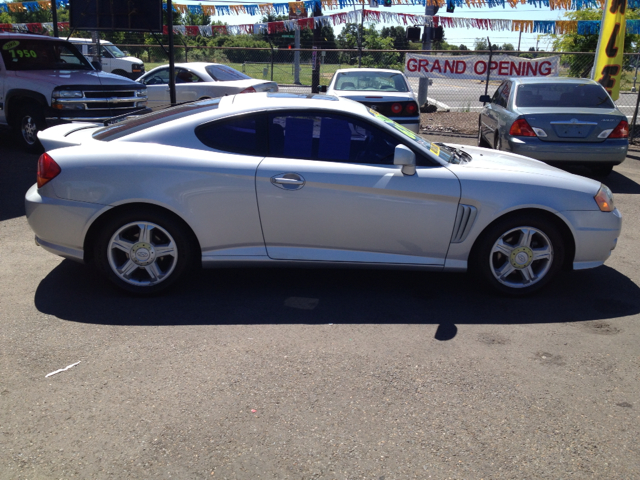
[621, 131]
[48, 169]
[521, 128]
[411, 108]
[249, 90]
[396, 108]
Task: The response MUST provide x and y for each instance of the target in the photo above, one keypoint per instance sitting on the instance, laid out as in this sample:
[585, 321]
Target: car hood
[76, 77]
[509, 167]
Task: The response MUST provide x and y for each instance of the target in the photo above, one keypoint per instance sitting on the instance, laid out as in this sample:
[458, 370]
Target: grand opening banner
[475, 66]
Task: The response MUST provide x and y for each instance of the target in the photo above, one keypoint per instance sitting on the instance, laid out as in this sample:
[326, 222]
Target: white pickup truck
[112, 58]
[46, 80]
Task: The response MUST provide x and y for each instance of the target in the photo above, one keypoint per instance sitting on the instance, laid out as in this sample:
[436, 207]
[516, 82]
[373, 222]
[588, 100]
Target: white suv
[113, 59]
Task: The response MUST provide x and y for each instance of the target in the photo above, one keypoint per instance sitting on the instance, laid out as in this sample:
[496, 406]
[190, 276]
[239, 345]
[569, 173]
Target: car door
[490, 115]
[157, 83]
[328, 191]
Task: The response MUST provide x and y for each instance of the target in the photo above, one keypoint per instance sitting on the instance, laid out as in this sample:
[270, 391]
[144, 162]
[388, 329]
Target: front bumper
[596, 235]
[60, 225]
[611, 151]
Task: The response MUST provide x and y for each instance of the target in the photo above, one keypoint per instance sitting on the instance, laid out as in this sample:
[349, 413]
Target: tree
[399, 36]
[580, 65]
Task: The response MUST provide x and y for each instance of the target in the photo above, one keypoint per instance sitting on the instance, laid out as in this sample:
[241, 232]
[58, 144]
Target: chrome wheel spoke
[127, 269]
[504, 271]
[544, 253]
[528, 275]
[503, 248]
[525, 237]
[154, 272]
[166, 250]
[145, 232]
[122, 244]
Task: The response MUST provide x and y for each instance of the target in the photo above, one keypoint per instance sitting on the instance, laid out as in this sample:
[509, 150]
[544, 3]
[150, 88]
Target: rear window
[223, 73]
[576, 95]
[376, 81]
[29, 54]
[142, 122]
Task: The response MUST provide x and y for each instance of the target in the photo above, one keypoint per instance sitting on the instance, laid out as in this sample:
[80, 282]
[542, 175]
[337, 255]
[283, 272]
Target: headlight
[67, 94]
[604, 199]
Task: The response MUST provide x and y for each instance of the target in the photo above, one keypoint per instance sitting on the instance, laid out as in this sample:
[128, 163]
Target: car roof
[88, 40]
[292, 100]
[27, 36]
[367, 70]
[530, 80]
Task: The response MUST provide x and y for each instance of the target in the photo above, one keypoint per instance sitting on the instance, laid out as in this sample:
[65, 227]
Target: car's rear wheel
[481, 141]
[144, 251]
[519, 254]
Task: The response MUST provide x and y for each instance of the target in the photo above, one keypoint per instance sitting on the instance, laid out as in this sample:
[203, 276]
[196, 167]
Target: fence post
[271, 45]
[486, 86]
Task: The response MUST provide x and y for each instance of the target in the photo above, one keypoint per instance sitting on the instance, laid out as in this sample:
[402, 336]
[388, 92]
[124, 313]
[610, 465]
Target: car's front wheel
[27, 124]
[144, 251]
[519, 254]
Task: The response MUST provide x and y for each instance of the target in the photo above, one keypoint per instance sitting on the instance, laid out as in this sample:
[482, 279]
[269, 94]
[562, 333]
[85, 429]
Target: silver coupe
[285, 179]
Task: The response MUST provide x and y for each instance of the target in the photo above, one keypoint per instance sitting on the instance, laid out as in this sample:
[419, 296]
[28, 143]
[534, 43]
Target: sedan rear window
[572, 95]
[378, 81]
[224, 73]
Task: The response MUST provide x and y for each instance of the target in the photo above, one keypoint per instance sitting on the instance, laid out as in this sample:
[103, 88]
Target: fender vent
[464, 220]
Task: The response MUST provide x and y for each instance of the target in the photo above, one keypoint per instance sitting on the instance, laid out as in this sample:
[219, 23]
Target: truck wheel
[27, 124]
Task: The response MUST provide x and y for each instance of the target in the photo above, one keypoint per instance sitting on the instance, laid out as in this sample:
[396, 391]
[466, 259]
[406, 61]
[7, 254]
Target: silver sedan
[284, 179]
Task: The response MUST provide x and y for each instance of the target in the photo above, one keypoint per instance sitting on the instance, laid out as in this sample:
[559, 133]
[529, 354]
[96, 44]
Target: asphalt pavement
[315, 374]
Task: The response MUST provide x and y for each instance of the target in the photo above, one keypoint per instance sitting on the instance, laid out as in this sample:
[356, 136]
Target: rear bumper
[612, 151]
[60, 225]
[412, 124]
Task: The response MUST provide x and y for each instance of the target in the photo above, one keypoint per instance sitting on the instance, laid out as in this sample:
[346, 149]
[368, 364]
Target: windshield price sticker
[15, 54]
[435, 149]
[11, 45]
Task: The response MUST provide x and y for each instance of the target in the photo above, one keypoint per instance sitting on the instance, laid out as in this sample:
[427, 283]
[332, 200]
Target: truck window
[28, 54]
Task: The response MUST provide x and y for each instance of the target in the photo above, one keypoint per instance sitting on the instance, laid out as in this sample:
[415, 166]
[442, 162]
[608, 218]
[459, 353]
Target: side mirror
[322, 89]
[97, 65]
[485, 98]
[405, 157]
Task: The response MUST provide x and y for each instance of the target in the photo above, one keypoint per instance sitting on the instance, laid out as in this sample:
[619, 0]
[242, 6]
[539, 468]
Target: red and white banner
[475, 66]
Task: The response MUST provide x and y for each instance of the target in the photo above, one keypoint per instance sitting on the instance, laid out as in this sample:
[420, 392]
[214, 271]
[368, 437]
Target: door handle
[288, 181]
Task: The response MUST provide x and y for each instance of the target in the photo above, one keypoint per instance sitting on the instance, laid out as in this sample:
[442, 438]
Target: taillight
[411, 108]
[621, 131]
[48, 169]
[521, 128]
[396, 108]
[249, 90]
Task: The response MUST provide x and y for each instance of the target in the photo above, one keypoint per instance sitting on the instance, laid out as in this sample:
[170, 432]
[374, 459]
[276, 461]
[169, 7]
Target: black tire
[497, 144]
[505, 254]
[27, 123]
[134, 262]
[481, 141]
[601, 170]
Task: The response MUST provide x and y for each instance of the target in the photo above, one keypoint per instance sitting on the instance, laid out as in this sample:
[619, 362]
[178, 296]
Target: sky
[454, 36]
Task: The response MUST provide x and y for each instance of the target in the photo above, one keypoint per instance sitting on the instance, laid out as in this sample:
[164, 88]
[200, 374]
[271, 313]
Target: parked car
[306, 180]
[113, 59]
[556, 120]
[195, 81]
[46, 80]
[387, 91]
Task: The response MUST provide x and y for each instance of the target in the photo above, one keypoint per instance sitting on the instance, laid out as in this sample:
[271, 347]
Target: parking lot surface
[324, 374]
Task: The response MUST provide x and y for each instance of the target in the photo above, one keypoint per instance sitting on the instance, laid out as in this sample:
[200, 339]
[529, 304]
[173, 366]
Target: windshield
[113, 50]
[223, 73]
[563, 95]
[137, 123]
[378, 81]
[427, 145]
[29, 54]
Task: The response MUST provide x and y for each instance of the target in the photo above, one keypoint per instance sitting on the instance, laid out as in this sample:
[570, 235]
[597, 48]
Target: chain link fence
[292, 70]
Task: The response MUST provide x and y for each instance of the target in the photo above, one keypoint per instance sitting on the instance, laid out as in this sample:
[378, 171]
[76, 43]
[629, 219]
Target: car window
[571, 95]
[28, 54]
[504, 95]
[159, 77]
[185, 76]
[329, 137]
[224, 73]
[379, 81]
[245, 134]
